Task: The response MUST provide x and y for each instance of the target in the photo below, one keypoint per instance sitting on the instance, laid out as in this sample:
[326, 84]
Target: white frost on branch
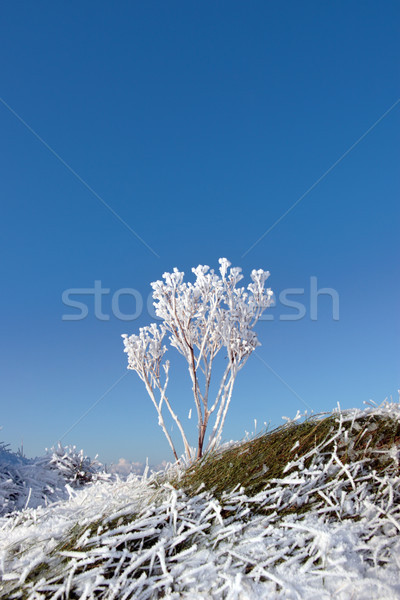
[200, 319]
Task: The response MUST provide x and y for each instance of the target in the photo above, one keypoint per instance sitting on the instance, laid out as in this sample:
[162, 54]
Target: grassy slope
[361, 452]
[255, 463]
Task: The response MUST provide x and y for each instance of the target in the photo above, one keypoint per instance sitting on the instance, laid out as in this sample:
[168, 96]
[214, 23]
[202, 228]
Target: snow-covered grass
[311, 510]
[38, 481]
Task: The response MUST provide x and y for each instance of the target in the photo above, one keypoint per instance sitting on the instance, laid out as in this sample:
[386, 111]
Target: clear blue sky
[200, 124]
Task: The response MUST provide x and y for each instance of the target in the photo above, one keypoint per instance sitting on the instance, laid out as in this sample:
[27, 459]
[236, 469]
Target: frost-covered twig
[201, 319]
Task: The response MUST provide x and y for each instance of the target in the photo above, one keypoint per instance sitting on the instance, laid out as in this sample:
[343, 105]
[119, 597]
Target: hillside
[310, 510]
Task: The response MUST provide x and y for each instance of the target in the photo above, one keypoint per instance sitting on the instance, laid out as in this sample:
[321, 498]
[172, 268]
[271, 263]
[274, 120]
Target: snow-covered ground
[144, 538]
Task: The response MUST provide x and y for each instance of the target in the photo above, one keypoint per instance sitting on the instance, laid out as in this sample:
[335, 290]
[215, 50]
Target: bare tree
[201, 319]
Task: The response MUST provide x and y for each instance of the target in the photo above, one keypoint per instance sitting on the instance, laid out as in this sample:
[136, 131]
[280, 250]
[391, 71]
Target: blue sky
[199, 124]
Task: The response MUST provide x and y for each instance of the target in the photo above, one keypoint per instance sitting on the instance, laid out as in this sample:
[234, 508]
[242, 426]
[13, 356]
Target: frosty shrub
[74, 467]
[200, 319]
[32, 482]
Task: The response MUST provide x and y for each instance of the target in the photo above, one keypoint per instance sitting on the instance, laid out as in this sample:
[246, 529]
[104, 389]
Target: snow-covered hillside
[327, 527]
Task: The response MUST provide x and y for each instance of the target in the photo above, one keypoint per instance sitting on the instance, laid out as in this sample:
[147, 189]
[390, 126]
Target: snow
[144, 538]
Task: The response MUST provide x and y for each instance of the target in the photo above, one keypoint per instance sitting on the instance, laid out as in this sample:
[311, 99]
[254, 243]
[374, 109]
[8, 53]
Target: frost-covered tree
[200, 319]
